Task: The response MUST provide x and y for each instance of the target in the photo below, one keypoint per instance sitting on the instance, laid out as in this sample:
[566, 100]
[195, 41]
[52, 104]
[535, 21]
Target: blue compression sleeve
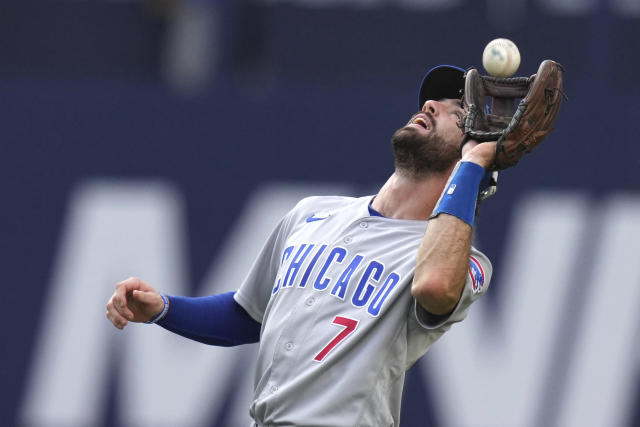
[216, 320]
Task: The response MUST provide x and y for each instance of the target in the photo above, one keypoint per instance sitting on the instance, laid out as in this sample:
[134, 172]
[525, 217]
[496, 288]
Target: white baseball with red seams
[501, 58]
[332, 290]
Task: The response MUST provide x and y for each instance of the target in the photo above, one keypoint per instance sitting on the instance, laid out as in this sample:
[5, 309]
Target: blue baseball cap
[443, 81]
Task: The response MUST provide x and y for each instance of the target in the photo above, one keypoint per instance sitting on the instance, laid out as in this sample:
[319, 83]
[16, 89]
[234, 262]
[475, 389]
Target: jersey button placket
[284, 350]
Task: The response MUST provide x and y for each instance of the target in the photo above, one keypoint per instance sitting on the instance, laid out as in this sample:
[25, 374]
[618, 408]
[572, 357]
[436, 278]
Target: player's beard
[417, 155]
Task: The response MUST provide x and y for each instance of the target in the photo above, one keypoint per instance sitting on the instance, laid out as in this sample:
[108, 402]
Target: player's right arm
[225, 319]
[214, 319]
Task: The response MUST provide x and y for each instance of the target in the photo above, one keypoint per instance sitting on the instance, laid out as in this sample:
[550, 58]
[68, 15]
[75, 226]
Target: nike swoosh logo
[315, 218]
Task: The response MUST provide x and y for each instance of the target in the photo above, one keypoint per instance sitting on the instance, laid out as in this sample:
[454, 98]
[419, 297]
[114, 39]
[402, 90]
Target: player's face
[430, 141]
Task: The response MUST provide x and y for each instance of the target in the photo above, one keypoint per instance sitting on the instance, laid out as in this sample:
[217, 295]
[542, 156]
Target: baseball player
[347, 293]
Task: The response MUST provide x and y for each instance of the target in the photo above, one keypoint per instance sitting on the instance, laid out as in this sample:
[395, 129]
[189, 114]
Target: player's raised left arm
[443, 257]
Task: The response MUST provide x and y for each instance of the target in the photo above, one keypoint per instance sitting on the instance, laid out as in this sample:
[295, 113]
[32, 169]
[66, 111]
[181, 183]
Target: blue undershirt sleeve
[215, 320]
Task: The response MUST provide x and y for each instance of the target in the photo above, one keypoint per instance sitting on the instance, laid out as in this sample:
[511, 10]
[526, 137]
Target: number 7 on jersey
[349, 327]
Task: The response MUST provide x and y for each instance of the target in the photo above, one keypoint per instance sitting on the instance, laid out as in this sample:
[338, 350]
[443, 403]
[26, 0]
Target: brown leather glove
[520, 131]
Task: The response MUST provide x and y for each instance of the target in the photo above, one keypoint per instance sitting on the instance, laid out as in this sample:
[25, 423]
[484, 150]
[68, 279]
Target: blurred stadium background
[163, 139]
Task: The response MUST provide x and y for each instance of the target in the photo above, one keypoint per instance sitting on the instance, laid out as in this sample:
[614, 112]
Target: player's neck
[403, 197]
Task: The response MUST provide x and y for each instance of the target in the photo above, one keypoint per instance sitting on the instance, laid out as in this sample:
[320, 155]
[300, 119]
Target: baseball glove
[516, 132]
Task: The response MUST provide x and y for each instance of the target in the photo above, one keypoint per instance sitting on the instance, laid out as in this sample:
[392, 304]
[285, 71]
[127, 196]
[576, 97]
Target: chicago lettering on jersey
[372, 288]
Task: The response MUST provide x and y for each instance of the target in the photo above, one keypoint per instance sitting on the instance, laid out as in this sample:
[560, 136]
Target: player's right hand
[133, 301]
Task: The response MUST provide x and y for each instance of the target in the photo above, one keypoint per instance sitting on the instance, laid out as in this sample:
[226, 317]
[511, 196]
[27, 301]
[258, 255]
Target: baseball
[501, 58]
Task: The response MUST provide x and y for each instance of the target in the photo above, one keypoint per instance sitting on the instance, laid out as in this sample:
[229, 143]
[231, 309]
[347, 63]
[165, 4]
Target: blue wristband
[461, 192]
[164, 311]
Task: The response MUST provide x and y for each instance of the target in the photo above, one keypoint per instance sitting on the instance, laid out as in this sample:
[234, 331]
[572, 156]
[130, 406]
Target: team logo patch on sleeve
[477, 275]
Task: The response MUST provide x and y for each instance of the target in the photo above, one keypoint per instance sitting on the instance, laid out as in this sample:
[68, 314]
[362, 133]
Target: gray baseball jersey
[331, 288]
